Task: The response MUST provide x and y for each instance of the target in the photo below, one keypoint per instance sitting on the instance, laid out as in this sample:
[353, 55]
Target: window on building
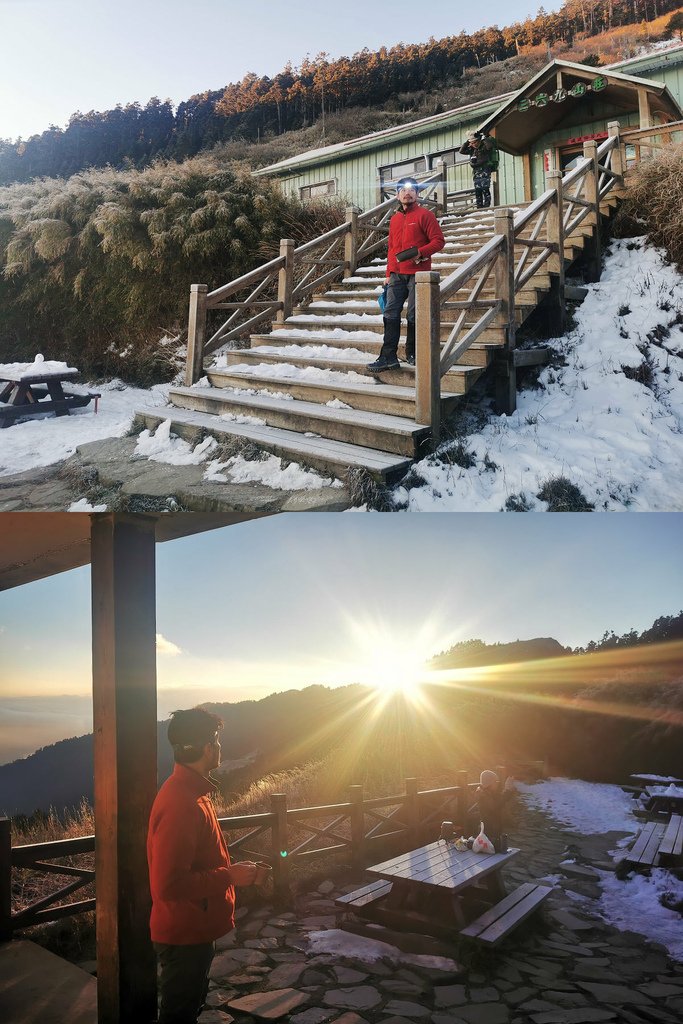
[392, 173]
[319, 190]
[450, 157]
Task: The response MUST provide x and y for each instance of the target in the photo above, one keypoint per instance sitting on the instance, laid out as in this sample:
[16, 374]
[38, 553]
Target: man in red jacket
[412, 226]
[191, 878]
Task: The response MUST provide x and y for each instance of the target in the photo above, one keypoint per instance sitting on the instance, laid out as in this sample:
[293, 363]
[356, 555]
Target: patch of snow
[162, 446]
[369, 951]
[311, 374]
[83, 505]
[587, 807]
[268, 472]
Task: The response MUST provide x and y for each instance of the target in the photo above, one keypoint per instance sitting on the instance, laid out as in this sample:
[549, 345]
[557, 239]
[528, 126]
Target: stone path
[105, 472]
[563, 966]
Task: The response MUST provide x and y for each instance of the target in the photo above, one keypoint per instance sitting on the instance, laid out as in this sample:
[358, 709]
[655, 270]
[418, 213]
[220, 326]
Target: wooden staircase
[301, 390]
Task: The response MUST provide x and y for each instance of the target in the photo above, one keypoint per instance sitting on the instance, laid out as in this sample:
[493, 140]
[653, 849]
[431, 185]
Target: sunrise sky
[293, 600]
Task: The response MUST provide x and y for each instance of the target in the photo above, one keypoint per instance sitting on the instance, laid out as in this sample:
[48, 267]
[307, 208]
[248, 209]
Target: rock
[586, 1015]
[362, 997]
[400, 1008]
[285, 975]
[450, 995]
[616, 994]
[314, 1015]
[348, 975]
[579, 871]
[270, 1005]
[484, 995]
[215, 1017]
[485, 1013]
[326, 887]
[269, 942]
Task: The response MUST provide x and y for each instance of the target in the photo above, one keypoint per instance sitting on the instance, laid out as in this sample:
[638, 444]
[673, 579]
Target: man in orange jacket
[413, 226]
[191, 878]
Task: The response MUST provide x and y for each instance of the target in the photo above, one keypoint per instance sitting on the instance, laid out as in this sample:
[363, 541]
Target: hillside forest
[398, 78]
[597, 713]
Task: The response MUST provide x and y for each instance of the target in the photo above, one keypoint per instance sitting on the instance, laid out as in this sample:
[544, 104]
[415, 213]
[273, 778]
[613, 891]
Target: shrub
[654, 200]
[563, 496]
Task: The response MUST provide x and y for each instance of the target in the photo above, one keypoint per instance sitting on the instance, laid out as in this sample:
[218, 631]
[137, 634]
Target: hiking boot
[410, 360]
[383, 363]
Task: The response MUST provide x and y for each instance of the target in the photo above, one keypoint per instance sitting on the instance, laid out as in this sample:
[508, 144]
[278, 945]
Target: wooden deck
[37, 987]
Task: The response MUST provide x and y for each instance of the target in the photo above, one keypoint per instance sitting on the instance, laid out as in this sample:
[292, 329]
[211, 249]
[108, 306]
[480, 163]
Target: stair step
[374, 430]
[329, 457]
[476, 355]
[493, 335]
[457, 381]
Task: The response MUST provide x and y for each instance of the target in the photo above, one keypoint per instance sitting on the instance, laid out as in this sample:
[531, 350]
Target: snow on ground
[269, 472]
[369, 951]
[159, 446]
[46, 439]
[310, 374]
[630, 904]
[616, 439]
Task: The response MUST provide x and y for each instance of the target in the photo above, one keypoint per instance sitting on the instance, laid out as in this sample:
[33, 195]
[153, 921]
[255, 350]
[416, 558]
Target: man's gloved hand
[244, 873]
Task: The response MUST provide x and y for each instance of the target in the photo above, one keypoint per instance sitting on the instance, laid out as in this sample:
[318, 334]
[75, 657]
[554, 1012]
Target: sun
[389, 671]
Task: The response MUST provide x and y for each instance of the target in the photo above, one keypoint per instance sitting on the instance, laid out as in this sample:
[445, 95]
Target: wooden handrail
[243, 282]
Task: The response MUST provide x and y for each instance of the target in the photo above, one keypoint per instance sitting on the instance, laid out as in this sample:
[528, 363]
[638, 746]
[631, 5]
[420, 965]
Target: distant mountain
[473, 653]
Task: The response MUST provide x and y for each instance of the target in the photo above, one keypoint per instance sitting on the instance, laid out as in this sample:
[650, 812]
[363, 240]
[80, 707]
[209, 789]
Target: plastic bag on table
[482, 844]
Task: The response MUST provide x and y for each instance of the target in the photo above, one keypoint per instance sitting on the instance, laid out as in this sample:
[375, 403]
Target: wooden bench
[671, 846]
[645, 851]
[493, 925]
[364, 896]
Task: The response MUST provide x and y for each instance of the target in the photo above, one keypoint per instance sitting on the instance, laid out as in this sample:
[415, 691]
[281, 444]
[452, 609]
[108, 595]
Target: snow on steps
[298, 390]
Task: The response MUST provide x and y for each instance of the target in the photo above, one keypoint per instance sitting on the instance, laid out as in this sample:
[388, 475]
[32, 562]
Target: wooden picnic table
[440, 891]
[36, 389]
[656, 780]
[658, 845]
[662, 799]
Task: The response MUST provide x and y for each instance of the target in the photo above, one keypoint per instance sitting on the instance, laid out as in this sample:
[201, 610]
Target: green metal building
[540, 127]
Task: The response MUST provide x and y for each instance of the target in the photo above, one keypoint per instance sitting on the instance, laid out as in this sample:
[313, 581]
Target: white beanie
[487, 779]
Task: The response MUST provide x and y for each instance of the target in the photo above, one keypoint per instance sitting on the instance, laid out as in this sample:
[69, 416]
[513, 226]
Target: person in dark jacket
[489, 806]
[412, 227]
[192, 880]
[483, 154]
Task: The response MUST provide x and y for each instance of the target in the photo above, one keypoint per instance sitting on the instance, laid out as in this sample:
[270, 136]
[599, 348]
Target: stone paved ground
[563, 966]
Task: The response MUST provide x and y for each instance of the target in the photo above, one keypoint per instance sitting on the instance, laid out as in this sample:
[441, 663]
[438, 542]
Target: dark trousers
[482, 186]
[183, 981]
[400, 288]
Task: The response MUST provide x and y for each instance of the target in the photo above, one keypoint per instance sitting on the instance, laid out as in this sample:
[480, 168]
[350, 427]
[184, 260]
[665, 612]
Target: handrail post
[5, 879]
[505, 372]
[196, 333]
[442, 188]
[285, 281]
[351, 241]
[555, 232]
[412, 811]
[463, 800]
[428, 351]
[280, 840]
[591, 193]
[618, 162]
[357, 819]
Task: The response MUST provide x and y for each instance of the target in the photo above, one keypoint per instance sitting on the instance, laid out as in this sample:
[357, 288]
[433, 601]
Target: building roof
[471, 113]
[563, 87]
[34, 545]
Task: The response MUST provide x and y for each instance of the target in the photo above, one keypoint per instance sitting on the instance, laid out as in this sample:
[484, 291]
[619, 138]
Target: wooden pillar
[196, 334]
[412, 812]
[504, 364]
[591, 192]
[5, 879]
[428, 351]
[644, 113]
[351, 241]
[526, 171]
[280, 833]
[357, 827]
[442, 189]
[285, 280]
[125, 760]
[557, 307]
[618, 161]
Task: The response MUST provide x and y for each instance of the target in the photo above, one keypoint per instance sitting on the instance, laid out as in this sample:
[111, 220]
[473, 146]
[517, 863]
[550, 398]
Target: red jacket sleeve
[432, 230]
[175, 850]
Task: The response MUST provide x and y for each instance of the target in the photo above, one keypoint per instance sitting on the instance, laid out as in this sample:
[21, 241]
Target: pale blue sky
[60, 56]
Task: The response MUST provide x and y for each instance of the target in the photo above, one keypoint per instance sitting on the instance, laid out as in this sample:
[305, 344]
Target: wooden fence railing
[274, 289]
[279, 837]
[484, 291]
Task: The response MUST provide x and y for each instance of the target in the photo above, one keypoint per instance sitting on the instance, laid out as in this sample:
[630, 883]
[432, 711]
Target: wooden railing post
[280, 834]
[618, 161]
[5, 879]
[442, 188]
[196, 334]
[505, 372]
[412, 811]
[357, 819]
[591, 193]
[555, 231]
[428, 351]
[285, 280]
[351, 241]
[463, 804]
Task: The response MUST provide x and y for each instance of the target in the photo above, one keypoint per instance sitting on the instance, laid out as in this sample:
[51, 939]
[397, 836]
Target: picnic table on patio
[30, 389]
[439, 890]
[665, 798]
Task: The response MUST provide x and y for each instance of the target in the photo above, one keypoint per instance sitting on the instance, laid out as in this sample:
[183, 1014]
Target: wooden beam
[526, 168]
[125, 735]
[644, 114]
